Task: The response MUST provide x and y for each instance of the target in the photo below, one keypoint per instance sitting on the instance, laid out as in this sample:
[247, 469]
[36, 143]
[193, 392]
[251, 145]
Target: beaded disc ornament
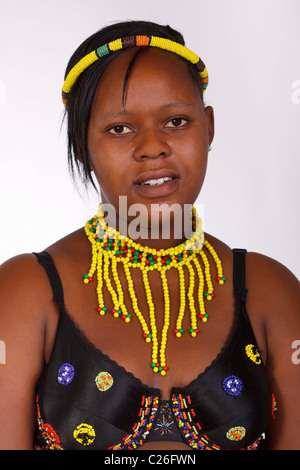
[109, 248]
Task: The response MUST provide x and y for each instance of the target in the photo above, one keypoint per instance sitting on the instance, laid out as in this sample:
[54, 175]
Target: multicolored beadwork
[109, 248]
[165, 420]
[253, 353]
[193, 432]
[49, 435]
[84, 434]
[65, 374]
[104, 381]
[232, 385]
[237, 433]
[141, 429]
[274, 406]
[133, 41]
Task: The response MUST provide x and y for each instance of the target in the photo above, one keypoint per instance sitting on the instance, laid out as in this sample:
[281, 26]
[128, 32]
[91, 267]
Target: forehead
[155, 73]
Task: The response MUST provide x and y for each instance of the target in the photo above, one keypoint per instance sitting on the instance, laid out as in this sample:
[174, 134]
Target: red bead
[218, 278]
[90, 279]
[196, 330]
[165, 368]
[99, 309]
[131, 258]
[201, 316]
[145, 335]
[176, 331]
[123, 317]
[147, 261]
[113, 310]
[140, 256]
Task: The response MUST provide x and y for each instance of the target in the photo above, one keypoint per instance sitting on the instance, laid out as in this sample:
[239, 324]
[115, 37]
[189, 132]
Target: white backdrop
[251, 49]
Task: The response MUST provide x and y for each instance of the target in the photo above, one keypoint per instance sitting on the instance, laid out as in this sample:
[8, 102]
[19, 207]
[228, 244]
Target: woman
[105, 347]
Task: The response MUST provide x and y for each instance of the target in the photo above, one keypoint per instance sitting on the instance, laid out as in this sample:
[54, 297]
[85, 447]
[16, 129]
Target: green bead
[86, 276]
[181, 330]
[103, 50]
[153, 365]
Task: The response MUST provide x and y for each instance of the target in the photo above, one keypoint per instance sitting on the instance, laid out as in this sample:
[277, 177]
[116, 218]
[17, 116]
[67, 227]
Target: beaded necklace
[109, 248]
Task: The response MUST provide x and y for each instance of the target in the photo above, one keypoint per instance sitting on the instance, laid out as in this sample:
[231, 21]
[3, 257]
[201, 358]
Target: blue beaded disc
[232, 385]
[65, 374]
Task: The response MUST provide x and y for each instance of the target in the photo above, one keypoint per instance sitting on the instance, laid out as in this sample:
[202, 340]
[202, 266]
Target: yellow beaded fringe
[110, 247]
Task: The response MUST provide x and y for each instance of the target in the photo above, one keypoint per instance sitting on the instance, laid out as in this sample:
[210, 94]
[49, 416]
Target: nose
[151, 143]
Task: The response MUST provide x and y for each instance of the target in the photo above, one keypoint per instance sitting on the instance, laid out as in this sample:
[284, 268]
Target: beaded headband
[131, 41]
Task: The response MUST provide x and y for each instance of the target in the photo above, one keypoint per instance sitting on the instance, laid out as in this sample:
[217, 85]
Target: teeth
[157, 181]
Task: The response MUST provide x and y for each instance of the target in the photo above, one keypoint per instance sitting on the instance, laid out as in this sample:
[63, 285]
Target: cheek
[100, 158]
[111, 171]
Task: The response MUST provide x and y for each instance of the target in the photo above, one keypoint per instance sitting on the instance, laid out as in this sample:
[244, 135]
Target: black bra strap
[46, 261]
[239, 273]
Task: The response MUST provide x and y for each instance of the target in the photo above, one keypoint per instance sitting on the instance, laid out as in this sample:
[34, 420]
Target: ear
[209, 112]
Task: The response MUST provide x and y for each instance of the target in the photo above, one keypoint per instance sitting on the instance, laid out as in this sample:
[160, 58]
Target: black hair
[81, 97]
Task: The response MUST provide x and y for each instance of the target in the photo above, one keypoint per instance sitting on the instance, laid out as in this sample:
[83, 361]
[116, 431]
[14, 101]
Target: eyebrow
[164, 107]
[175, 104]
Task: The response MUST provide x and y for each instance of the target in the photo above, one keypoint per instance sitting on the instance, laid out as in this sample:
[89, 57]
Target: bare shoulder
[24, 299]
[23, 277]
[222, 248]
[276, 296]
[276, 288]
[28, 320]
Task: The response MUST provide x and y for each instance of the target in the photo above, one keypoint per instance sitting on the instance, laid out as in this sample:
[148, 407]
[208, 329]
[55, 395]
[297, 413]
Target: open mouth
[157, 182]
[158, 187]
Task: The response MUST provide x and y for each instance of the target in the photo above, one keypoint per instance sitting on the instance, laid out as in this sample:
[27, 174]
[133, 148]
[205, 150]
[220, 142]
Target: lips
[155, 175]
[151, 184]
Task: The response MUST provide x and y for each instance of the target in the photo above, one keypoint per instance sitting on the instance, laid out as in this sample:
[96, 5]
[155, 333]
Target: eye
[119, 130]
[176, 122]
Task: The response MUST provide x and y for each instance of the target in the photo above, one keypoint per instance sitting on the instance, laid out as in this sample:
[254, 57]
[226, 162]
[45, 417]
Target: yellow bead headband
[131, 41]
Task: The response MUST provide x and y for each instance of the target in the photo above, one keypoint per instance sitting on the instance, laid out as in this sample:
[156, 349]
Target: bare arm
[23, 298]
[278, 295]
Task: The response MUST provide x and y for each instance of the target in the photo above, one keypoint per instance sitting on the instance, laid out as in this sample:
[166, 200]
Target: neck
[158, 232]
